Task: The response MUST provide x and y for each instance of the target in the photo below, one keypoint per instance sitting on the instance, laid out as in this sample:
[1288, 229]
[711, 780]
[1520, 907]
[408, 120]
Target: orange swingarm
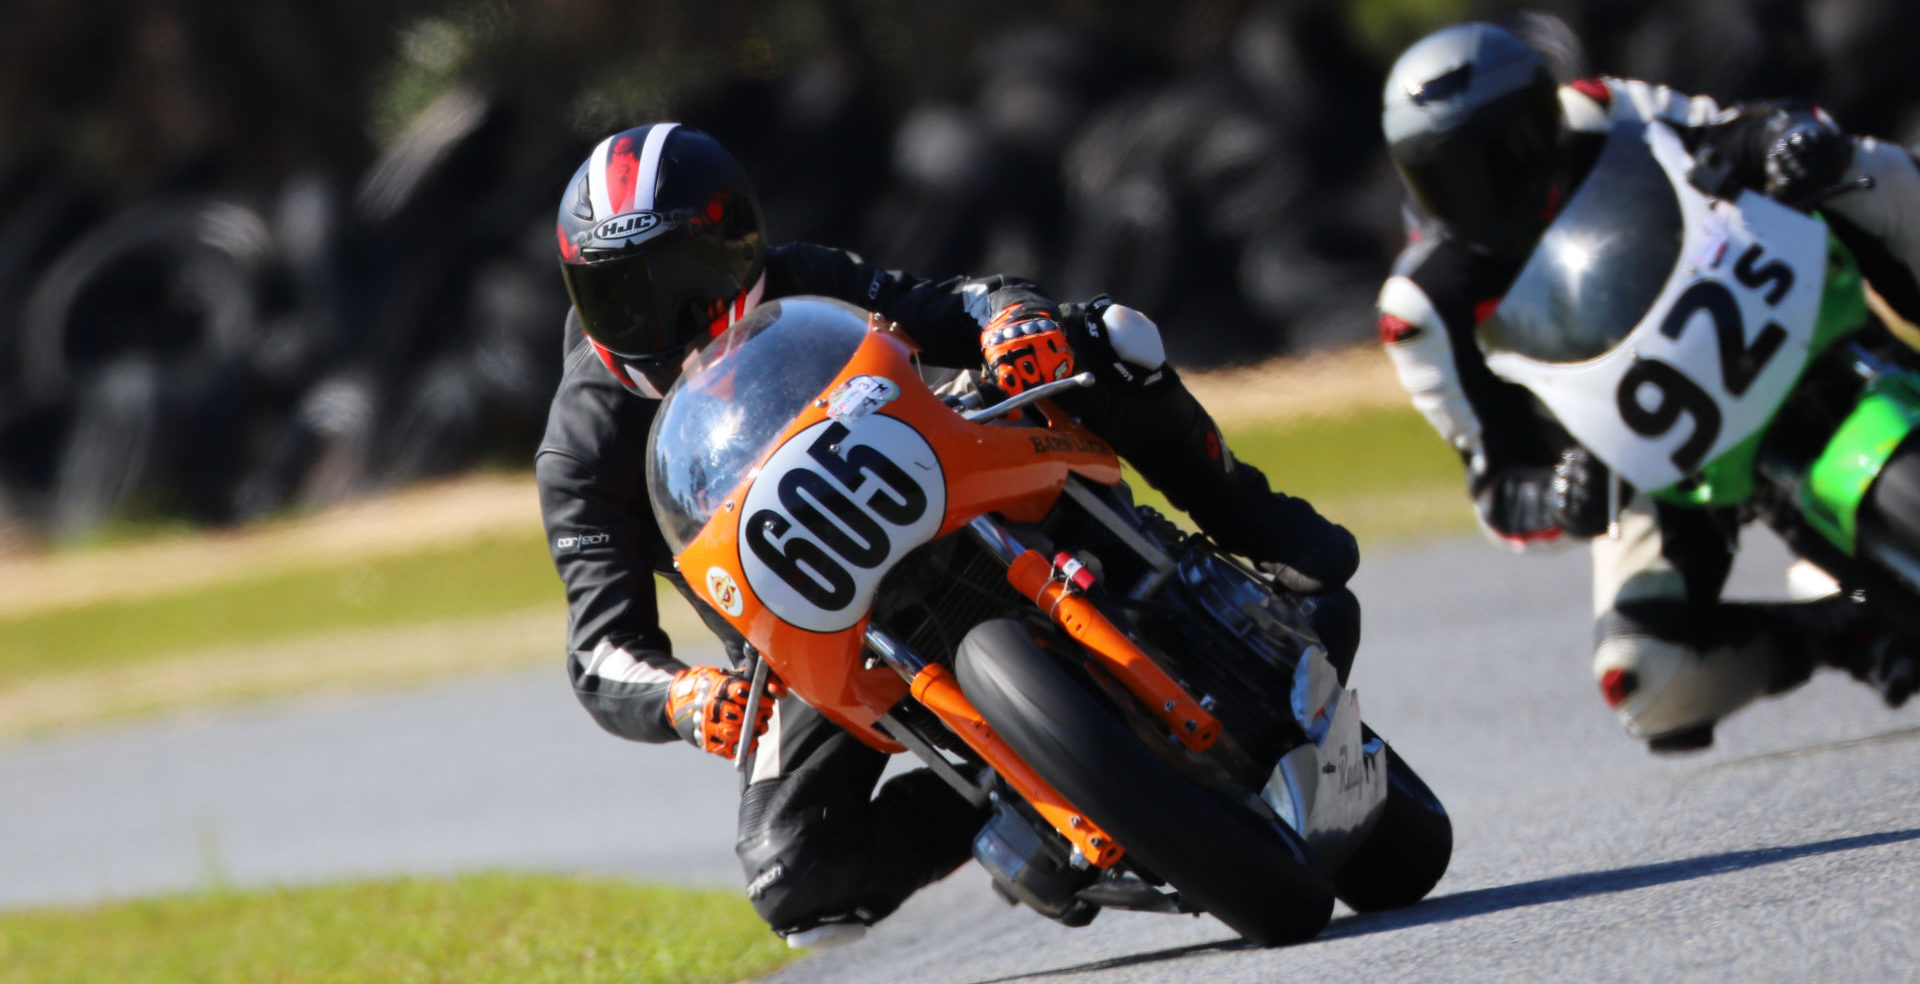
[935, 687]
[1032, 576]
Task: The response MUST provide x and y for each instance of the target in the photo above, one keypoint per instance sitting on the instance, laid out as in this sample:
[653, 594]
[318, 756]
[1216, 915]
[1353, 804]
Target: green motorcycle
[1719, 352]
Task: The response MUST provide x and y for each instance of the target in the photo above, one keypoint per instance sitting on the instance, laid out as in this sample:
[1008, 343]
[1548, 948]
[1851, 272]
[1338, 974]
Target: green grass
[485, 928]
[489, 575]
[1356, 459]
[1380, 472]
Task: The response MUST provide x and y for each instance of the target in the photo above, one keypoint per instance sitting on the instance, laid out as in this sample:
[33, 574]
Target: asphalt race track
[1788, 852]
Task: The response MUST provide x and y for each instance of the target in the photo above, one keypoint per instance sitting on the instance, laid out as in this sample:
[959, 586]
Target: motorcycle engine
[1029, 868]
[1274, 626]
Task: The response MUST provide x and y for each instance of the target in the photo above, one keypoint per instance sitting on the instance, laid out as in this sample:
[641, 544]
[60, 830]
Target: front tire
[1251, 872]
[1407, 851]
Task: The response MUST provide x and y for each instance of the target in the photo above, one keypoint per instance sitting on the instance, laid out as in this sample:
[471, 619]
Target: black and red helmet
[661, 246]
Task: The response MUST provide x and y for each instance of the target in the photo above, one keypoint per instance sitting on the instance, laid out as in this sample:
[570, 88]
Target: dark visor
[1487, 184]
[648, 305]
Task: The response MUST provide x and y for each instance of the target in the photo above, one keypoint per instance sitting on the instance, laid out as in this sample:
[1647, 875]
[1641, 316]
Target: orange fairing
[874, 467]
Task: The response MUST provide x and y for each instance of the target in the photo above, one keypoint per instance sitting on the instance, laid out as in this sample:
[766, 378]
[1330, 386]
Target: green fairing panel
[1839, 479]
[1729, 479]
[1726, 481]
[1843, 307]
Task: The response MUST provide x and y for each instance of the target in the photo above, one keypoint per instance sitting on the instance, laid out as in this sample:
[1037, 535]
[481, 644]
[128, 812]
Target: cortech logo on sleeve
[568, 543]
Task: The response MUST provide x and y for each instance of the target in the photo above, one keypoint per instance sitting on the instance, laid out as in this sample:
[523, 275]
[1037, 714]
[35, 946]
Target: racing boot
[1894, 673]
[1888, 662]
[1843, 633]
[1335, 617]
[1671, 670]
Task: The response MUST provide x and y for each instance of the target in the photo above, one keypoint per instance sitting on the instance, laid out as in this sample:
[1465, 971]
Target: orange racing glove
[1025, 347]
[708, 706]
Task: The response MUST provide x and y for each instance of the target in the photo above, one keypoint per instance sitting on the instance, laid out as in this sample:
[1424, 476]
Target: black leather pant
[817, 844]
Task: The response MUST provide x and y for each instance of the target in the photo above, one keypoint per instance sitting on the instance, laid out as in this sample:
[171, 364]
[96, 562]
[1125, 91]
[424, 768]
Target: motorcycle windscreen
[1599, 267]
[740, 392]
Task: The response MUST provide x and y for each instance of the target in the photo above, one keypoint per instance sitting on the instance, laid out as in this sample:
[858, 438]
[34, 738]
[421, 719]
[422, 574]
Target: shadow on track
[1884, 738]
[1480, 902]
[1465, 905]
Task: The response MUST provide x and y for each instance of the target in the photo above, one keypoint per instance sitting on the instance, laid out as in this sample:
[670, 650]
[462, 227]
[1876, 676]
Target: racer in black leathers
[817, 852]
[1670, 657]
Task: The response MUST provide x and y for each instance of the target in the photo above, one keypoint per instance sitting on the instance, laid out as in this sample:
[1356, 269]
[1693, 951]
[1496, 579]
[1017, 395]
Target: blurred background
[257, 258]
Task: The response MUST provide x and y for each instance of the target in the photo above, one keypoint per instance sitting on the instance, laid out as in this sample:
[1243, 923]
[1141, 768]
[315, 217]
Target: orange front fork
[1032, 575]
[935, 687]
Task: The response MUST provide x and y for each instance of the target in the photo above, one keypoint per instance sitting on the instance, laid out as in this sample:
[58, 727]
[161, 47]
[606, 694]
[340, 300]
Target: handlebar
[1076, 381]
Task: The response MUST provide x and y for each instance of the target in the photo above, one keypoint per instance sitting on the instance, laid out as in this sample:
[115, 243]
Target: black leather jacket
[591, 469]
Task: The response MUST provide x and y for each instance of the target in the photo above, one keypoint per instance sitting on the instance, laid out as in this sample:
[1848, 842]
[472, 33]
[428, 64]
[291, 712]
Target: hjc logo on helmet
[631, 226]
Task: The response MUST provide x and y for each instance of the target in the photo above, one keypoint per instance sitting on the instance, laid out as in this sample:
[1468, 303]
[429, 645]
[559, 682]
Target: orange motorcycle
[1156, 726]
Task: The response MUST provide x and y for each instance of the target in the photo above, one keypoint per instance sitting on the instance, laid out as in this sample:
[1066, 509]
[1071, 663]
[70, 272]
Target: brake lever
[1030, 397]
[1807, 204]
[756, 691]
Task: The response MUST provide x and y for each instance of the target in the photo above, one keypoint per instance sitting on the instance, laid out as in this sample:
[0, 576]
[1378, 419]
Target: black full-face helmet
[661, 246]
[1473, 124]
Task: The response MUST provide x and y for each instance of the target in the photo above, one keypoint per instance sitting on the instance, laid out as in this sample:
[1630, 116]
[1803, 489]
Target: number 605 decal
[831, 511]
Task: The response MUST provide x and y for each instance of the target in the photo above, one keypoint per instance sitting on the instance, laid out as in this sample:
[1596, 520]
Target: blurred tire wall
[265, 258]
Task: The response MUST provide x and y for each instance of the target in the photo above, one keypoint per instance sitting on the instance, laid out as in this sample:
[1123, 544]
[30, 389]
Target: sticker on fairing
[724, 591]
[860, 396]
[832, 511]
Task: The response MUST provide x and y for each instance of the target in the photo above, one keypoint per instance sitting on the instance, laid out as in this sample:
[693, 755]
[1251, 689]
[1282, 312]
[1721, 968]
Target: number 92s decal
[831, 512]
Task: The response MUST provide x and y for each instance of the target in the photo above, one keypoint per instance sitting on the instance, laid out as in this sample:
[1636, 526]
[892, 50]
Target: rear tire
[1407, 851]
[1252, 873]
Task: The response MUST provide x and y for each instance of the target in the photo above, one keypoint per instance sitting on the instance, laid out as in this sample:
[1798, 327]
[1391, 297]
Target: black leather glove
[1578, 494]
[1806, 154]
[1791, 152]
